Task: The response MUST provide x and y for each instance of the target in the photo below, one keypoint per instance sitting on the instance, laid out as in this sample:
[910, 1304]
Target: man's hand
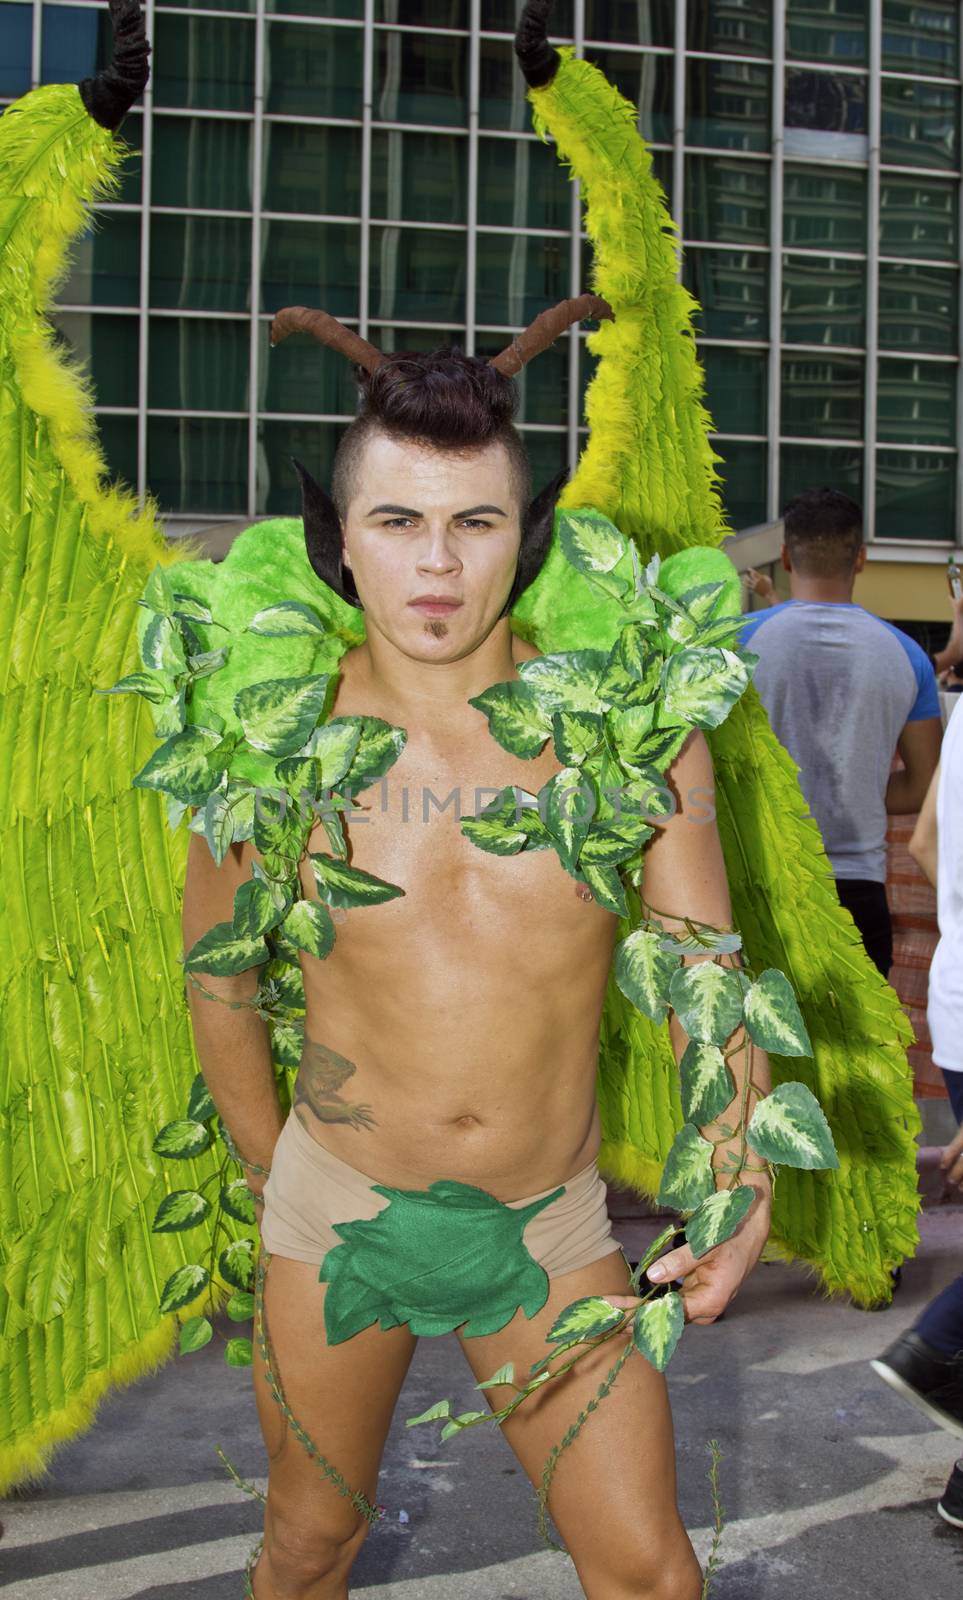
[709, 1284]
[952, 1161]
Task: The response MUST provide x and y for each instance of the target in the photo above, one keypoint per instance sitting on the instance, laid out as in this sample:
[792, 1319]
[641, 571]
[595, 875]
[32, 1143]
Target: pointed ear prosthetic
[322, 537]
[536, 539]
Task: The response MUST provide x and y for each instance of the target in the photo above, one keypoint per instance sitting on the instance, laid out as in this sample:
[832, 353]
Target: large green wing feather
[95, 1045]
[649, 466]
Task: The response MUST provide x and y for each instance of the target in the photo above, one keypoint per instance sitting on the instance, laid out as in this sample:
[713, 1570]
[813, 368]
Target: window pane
[743, 473]
[822, 399]
[501, 16]
[732, 287]
[130, 171]
[727, 200]
[824, 206]
[735, 389]
[918, 219]
[419, 177]
[16, 47]
[646, 81]
[820, 32]
[738, 27]
[628, 21]
[303, 375]
[917, 402]
[313, 169]
[202, 162]
[105, 263]
[72, 46]
[521, 184]
[920, 124]
[118, 438]
[518, 278]
[823, 301]
[314, 443]
[203, 61]
[423, 13]
[421, 79]
[825, 116]
[922, 37]
[547, 454]
[198, 463]
[200, 263]
[417, 274]
[313, 72]
[543, 384]
[311, 264]
[198, 365]
[215, 5]
[728, 105]
[915, 495]
[502, 88]
[387, 338]
[352, 9]
[918, 308]
[804, 466]
[108, 347]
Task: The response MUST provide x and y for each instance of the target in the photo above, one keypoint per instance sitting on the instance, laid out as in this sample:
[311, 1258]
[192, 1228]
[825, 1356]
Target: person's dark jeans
[866, 902]
[954, 1088]
[941, 1324]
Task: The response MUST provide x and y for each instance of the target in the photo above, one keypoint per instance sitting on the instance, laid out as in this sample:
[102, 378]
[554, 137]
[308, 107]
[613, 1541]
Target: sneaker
[950, 1507]
[929, 1380]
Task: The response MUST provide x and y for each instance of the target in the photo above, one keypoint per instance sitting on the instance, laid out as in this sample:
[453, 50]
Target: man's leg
[342, 1397]
[613, 1497]
[866, 902]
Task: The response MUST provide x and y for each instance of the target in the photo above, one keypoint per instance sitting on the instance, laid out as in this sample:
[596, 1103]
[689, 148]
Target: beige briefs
[310, 1189]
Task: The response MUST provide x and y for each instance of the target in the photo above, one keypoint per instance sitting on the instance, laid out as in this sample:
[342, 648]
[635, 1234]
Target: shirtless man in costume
[453, 1032]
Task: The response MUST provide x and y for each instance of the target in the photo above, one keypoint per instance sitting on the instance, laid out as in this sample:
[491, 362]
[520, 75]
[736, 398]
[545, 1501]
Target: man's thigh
[613, 1496]
[341, 1396]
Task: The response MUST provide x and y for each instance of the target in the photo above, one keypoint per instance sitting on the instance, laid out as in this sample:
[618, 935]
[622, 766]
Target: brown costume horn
[546, 329]
[327, 330]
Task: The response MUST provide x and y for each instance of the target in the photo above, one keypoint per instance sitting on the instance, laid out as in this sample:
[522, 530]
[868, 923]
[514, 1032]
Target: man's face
[429, 523]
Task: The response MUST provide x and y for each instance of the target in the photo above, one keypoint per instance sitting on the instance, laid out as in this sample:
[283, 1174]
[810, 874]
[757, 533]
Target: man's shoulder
[755, 619]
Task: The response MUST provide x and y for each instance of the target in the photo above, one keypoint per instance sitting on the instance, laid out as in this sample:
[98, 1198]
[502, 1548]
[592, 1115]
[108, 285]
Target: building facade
[375, 157]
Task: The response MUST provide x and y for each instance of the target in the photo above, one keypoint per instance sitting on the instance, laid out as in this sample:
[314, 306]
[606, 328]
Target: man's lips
[435, 605]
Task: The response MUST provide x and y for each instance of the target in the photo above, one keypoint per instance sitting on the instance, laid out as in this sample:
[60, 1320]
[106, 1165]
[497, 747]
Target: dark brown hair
[823, 530]
[442, 398]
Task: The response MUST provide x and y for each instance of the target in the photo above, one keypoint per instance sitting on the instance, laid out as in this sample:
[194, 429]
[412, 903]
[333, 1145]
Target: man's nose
[438, 553]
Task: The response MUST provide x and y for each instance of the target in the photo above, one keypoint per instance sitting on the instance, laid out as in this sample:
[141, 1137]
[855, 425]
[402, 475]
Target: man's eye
[476, 522]
[397, 522]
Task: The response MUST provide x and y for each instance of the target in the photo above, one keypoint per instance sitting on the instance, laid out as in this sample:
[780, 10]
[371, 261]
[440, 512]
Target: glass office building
[375, 157]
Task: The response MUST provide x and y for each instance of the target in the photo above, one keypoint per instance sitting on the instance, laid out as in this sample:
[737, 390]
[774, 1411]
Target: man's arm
[919, 749]
[233, 1042]
[685, 876]
[923, 841]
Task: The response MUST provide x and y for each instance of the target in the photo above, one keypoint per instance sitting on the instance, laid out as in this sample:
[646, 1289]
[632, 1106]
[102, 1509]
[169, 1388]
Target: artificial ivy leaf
[152, 686]
[718, 1218]
[194, 1335]
[610, 583]
[334, 745]
[707, 999]
[170, 716]
[657, 1328]
[334, 828]
[704, 940]
[240, 1307]
[309, 927]
[255, 910]
[183, 766]
[287, 1043]
[238, 1201]
[176, 812]
[183, 1286]
[200, 1105]
[634, 668]
[700, 601]
[162, 648]
[773, 1018]
[655, 749]
[182, 1209]
[221, 954]
[505, 1374]
[687, 1177]
[567, 803]
[441, 1408]
[707, 1084]
[285, 620]
[576, 735]
[607, 845]
[566, 680]
[517, 719]
[228, 818]
[789, 1128]
[207, 661]
[627, 727]
[606, 887]
[236, 1263]
[644, 972]
[279, 715]
[455, 1424]
[238, 1353]
[584, 1319]
[590, 541]
[158, 595]
[182, 1139]
[656, 1248]
[648, 795]
[279, 827]
[379, 748]
[702, 686]
[190, 609]
[724, 630]
[341, 885]
[492, 834]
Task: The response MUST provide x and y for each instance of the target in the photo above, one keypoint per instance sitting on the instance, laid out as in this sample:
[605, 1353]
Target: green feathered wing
[649, 466]
[95, 1046]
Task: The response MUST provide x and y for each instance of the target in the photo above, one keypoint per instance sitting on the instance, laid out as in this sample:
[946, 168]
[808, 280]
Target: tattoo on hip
[322, 1073]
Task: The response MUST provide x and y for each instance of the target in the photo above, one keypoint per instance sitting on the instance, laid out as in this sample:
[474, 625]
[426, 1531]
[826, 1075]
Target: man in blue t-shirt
[844, 690]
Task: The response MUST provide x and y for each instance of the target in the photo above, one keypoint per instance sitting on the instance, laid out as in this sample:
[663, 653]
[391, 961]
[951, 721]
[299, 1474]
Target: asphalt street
[829, 1480]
